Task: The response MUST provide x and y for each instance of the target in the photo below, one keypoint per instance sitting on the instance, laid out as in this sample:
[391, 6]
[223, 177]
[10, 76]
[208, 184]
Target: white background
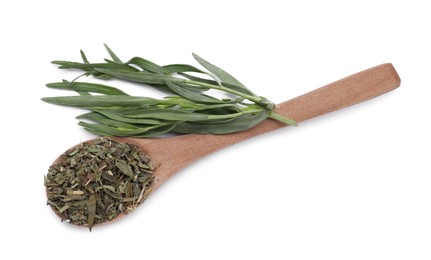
[355, 184]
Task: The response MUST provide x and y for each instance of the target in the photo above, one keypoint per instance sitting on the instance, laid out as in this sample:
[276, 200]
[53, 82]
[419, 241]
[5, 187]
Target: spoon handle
[345, 92]
[351, 90]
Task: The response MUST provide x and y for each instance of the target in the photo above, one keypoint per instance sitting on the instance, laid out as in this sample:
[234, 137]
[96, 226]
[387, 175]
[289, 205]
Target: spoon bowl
[171, 154]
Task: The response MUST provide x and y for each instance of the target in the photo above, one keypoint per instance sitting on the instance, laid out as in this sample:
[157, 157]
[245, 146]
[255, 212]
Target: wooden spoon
[171, 154]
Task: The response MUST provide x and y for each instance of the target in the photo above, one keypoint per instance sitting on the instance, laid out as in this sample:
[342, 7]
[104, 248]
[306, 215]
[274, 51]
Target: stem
[228, 90]
[251, 111]
[282, 119]
[255, 99]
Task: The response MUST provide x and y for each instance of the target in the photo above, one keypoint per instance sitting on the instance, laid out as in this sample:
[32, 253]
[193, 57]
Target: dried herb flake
[96, 181]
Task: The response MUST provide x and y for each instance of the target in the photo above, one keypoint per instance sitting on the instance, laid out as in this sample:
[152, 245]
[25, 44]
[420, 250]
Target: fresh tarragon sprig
[187, 109]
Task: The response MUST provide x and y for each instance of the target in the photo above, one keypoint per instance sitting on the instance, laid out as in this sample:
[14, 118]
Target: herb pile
[97, 181]
[187, 108]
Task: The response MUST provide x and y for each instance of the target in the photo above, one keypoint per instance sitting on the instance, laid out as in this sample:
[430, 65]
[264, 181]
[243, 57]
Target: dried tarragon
[96, 181]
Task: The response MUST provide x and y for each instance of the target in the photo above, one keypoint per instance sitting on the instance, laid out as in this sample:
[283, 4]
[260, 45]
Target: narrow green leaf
[103, 130]
[88, 87]
[178, 68]
[226, 106]
[194, 78]
[222, 75]
[191, 95]
[156, 131]
[113, 131]
[112, 54]
[92, 66]
[84, 58]
[190, 87]
[83, 93]
[141, 76]
[100, 75]
[101, 101]
[99, 118]
[95, 132]
[238, 124]
[147, 65]
[118, 116]
[110, 61]
[169, 114]
[213, 82]
[212, 121]
[171, 101]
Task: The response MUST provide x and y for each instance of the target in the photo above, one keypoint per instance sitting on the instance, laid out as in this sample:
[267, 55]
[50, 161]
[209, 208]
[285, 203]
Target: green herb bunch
[187, 109]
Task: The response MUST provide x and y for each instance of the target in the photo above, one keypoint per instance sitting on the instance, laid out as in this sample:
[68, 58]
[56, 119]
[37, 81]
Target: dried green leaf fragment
[124, 168]
[91, 207]
[98, 180]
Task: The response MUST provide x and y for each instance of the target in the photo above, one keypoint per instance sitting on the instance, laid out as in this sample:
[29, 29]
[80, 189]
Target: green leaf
[84, 58]
[222, 75]
[212, 82]
[83, 93]
[237, 124]
[141, 76]
[118, 116]
[92, 66]
[95, 132]
[100, 75]
[88, 87]
[147, 65]
[112, 54]
[110, 61]
[194, 78]
[191, 95]
[104, 130]
[178, 68]
[225, 106]
[169, 114]
[113, 131]
[101, 101]
[156, 131]
[99, 118]
[194, 88]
